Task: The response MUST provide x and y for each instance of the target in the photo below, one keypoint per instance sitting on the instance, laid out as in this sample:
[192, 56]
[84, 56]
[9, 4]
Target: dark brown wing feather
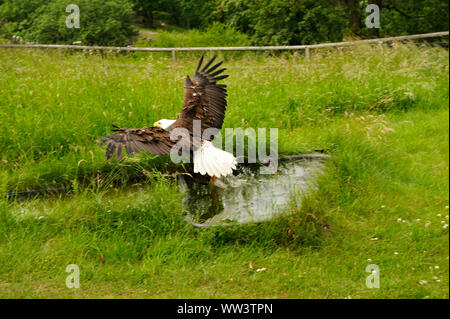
[153, 140]
[204, 99]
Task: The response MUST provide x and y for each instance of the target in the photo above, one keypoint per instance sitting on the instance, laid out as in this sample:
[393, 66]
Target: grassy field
[381, 112]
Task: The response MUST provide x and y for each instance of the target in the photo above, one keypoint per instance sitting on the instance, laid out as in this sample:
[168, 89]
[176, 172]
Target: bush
[283, 22]
[184, 13]
[16, 15]
[101, 23]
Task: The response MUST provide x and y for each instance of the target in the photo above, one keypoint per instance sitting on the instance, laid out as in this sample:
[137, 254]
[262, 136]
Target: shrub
[282, 22]
[101, 23]
[16, 15]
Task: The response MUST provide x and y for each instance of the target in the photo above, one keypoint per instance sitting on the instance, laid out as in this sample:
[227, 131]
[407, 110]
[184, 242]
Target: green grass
[382, 113]
[216, 35]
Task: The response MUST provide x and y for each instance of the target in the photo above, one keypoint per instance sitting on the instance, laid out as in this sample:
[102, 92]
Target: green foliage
[285, 22]
[413, 16]
[265, 22]
[186, 13]
[101, 23]
[16, 16]
[321, 24]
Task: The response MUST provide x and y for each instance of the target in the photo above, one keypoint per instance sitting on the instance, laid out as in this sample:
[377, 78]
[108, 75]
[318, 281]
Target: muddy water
[248, 196]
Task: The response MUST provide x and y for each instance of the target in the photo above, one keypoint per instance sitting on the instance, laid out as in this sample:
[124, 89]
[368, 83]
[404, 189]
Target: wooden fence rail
[305, 47]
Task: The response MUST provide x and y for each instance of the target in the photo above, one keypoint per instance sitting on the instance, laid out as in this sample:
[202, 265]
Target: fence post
[307, 54]
[174, 57]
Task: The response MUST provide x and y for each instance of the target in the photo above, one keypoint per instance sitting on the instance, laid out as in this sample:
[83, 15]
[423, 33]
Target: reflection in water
[247, 196]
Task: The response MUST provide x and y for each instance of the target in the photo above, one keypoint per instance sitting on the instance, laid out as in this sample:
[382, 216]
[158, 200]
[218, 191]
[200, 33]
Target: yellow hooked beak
[156, 124]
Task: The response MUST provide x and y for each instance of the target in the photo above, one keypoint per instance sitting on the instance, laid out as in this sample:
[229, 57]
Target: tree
[186, 13]
[101, 23]
[16, 15]
[410, 17]
[282, 22]
[398, 17]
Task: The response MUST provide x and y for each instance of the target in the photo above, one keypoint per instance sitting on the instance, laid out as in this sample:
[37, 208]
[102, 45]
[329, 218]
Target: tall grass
[216, 35]
[53, 108]
[381, 112]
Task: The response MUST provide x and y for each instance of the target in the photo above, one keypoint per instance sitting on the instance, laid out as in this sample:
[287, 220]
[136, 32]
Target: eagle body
[201, 116]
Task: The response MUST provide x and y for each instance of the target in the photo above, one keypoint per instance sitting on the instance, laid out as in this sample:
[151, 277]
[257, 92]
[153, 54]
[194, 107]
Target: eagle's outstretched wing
[204, 99]
[153, 140]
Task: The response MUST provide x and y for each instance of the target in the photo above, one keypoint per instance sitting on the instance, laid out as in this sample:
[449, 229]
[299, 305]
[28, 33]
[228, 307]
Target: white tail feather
[213, 161]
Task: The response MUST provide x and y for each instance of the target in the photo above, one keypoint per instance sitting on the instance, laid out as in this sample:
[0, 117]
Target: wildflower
[395, 253]
[374, 238]
[423, 282]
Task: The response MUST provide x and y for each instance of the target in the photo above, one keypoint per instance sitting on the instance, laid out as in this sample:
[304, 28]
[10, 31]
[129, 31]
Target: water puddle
[248, 196]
